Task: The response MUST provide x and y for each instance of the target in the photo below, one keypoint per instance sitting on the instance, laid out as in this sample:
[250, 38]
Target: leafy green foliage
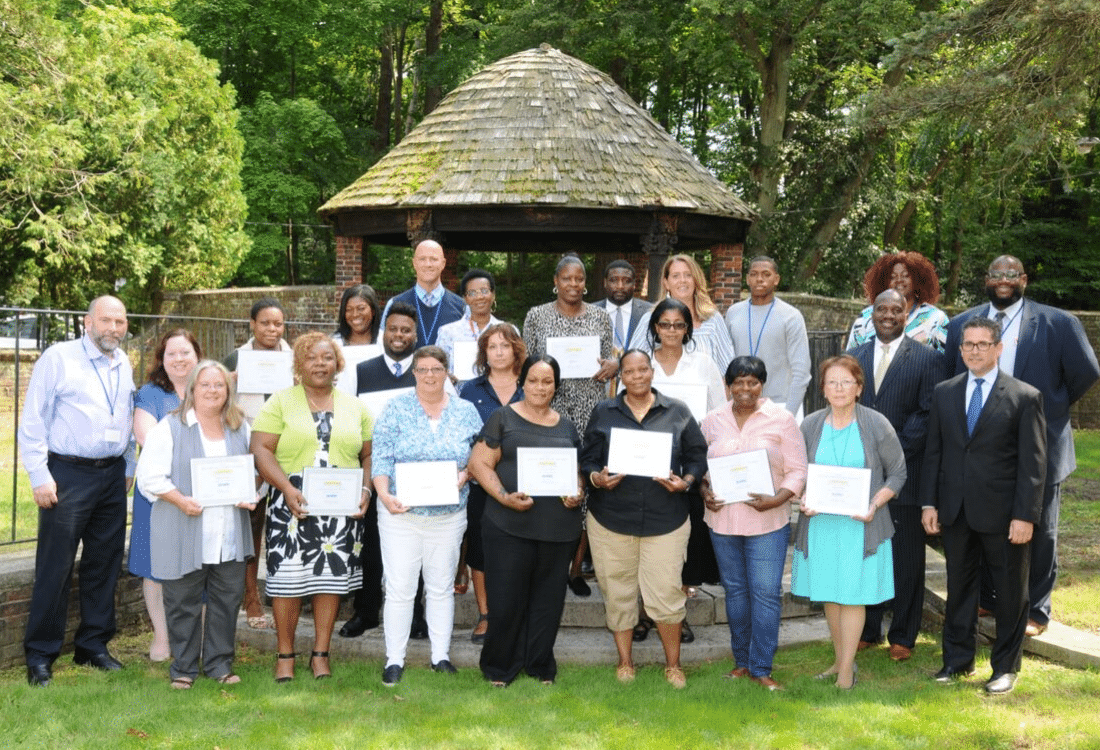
[119, 159]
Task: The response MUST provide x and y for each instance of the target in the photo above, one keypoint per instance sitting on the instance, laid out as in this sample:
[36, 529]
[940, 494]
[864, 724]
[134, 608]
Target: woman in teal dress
[846, 562]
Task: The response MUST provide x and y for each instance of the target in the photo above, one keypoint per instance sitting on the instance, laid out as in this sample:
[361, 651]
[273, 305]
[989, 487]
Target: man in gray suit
[984, 468]
[625, 311]
[901, 374]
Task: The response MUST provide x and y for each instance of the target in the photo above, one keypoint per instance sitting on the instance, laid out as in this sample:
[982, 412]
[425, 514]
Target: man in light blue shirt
[75, 441]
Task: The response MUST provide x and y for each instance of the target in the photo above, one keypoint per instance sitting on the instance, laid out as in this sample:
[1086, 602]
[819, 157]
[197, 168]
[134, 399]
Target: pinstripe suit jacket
[904, 399]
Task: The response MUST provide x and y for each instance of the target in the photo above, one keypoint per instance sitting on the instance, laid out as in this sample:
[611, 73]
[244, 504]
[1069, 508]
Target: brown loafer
[675, 677]
[864, 645]
[1034, 629]
[737, 673]
[768, 682]
[899, 652]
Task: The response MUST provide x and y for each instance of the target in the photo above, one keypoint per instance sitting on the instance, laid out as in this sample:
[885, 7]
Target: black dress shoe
[102, 661]
[356, 626]
[579, 587]
[391, 675]
[687, 635]
[1001, 683]
[39, 675]
[444, 666]
[419, 629]
[948, 674]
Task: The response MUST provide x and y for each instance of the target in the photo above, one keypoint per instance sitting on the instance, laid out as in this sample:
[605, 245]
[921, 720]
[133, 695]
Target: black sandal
[319, 655]
[279, 657]
[476, 637]
[641, 630]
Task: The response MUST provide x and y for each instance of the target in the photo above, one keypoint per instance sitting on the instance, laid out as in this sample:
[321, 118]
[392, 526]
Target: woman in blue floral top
[425, 425]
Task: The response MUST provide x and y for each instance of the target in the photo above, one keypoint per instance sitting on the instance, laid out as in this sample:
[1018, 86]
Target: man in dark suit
[1046, 348]
[391, 369]
[901, 374]
[625, 311]
[982, 487]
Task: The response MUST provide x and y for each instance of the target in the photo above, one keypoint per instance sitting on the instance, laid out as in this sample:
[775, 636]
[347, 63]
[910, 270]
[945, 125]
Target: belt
[95, 463]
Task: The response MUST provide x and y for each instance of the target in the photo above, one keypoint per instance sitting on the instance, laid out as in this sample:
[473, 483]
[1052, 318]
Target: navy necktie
[397, 369]
[974, 409]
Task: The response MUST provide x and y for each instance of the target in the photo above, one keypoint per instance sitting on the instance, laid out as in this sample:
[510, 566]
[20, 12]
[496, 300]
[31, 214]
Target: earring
[585, 291]
[555, 290]
[493, 307]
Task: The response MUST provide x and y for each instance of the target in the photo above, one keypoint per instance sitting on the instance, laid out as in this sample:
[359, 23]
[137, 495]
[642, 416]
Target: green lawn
[893, 706]
[1077, 596]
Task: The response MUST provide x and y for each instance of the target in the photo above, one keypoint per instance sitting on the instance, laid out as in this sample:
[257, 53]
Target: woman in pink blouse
[750, 534]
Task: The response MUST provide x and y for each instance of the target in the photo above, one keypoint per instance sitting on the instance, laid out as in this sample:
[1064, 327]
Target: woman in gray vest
[198, 548]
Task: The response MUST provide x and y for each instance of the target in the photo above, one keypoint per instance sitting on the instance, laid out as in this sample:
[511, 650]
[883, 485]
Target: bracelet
[592, 479]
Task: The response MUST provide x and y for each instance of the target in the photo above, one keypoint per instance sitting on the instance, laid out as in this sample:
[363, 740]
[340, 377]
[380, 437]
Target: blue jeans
[752, 575]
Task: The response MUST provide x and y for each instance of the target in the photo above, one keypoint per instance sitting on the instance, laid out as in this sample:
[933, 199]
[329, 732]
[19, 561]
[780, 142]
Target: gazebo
[540, 152]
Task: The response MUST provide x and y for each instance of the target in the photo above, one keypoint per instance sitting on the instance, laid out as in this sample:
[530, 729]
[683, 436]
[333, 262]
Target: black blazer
[639, 308]
[995, 475]
[1053, 355]
[905, 399]
[373, 375]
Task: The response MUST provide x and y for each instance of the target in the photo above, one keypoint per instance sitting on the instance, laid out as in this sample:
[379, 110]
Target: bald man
[74, 437]
[435, 306]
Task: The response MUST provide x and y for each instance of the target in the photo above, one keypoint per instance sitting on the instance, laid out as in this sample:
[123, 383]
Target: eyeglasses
[473, 293]
[1003, 275]
[679, 325]
[437, 371]
[840, 383]
[219, 386]
[982, 346]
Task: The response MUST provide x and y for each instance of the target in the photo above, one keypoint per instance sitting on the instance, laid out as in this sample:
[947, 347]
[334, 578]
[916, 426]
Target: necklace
[847, 438]
[318, 406]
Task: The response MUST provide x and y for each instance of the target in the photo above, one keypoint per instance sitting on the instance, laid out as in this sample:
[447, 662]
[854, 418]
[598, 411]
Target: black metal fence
[24, 330]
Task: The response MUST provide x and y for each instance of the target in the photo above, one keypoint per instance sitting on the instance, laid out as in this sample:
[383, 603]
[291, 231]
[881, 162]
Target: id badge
[112, 436]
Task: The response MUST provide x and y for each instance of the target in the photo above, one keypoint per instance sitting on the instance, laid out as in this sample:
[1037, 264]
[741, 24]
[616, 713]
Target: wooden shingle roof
[539, 131]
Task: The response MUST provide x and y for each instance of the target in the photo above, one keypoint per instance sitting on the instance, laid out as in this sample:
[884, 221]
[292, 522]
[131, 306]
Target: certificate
[577, 356]
[547, 471]
[838, 490]
[640, 453]
[223, 480]
[375, 401]
[332, 492]
[692, 394]
[263, 371]
[346, 379]
[427, 483]
[733, 477]
[465, 354]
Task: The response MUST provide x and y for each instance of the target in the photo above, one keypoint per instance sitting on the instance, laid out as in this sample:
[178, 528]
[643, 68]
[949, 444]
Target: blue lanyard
[420, 322]
[1010, 320]
[118, 383]
[753, 350]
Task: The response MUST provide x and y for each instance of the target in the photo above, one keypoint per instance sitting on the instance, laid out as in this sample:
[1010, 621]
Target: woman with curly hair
[310, 424]
[913, 277]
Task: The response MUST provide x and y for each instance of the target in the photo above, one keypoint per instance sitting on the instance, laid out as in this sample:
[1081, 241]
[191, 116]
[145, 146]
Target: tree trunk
[434, 92]
[897, 227]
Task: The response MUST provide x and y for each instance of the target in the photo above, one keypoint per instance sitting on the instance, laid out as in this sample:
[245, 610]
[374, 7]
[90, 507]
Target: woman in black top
[531, 538]
[638, 525]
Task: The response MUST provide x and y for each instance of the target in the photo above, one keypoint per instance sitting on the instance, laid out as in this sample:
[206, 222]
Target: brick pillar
[349, 263]
[449, 279]
[725, 274]
[641, 272]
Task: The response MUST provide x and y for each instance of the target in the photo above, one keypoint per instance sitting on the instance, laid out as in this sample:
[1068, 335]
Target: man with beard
[625, 311]
[74, 437]
[1045, 348]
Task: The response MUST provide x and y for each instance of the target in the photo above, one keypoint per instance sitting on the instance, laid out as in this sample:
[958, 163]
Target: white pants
[411, 543]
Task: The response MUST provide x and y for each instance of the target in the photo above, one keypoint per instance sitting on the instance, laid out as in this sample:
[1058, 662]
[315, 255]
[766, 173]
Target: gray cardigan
[882, 454]
[175, 538]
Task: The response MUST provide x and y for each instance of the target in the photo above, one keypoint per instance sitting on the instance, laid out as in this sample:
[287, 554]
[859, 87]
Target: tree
[119, 158]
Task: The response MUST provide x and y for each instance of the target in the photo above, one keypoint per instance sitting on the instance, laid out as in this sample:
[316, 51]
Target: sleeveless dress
[158, 402]
[834, 568]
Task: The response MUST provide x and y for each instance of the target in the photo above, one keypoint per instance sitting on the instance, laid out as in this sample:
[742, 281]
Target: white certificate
[223, 480]
[640, 453]
[692, 394]
[546, 471]
[427, 483]
[733, 477]
[838, 490]
[465, 354]
[375, 401]
[347, 380]
[264, 371]
[331, 491]
[577, 356]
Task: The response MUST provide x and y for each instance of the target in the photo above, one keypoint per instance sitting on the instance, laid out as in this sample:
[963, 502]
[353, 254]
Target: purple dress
[155, 400]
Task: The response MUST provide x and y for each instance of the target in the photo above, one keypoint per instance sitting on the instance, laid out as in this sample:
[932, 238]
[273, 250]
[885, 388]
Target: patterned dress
[316, 554]
[577, 396]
